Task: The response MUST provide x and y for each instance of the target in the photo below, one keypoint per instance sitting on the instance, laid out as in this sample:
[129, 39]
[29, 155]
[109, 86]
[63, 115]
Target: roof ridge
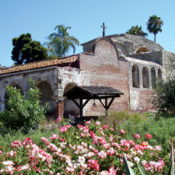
[40, 64]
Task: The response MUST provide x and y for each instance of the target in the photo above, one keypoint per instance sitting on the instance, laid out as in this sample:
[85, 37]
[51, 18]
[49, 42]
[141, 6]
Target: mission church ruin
[125, 62]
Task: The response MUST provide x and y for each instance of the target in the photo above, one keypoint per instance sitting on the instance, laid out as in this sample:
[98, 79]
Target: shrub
[115, 118]
[165, 93]
[22, 113]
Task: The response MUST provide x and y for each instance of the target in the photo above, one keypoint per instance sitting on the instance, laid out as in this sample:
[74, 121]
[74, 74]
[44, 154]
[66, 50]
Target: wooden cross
[104, 27]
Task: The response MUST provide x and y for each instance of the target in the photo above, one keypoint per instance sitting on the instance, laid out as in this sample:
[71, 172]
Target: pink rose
[122, 131]
[58, 120]
[136, 136]
[148, 136]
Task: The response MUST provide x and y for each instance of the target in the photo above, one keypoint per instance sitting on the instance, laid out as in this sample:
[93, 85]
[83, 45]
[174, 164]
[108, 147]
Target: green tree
[137, 30]
[164, 100]
[60, 42]
[25, 50]
[154, 25]
[22, 113]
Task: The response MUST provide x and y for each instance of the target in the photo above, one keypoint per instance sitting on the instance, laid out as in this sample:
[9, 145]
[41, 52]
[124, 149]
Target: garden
[123, 143]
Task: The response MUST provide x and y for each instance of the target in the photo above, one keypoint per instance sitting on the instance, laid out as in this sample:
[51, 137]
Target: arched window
[159, 74]
[135, 76]
[142, 49]
[153, 77]
[145, 77]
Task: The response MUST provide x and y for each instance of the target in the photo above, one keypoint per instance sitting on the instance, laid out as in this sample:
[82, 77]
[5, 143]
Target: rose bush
[86, 149]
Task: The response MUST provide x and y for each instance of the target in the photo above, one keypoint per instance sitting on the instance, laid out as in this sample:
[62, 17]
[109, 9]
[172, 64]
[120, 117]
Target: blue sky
[39, 17]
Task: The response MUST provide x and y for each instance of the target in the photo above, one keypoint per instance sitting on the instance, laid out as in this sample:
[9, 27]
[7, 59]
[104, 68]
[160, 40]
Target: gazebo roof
[92, 92]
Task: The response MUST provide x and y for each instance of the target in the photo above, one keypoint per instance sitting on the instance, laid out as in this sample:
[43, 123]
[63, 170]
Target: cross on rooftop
[104, 27]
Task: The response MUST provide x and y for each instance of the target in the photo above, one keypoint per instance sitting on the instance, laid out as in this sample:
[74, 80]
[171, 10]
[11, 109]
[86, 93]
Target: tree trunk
[154, 37]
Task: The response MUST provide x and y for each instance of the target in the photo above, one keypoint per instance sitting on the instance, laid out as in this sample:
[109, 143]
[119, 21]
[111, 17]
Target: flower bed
[89, 149]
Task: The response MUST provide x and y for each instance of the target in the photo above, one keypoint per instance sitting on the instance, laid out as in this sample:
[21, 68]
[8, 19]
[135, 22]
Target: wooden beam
[87, 100]
[101, 102]
[110, 103]
[78, 105]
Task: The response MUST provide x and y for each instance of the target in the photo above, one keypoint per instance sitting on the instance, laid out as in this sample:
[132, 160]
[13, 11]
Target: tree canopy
[60, 42]
[154, 25]
[25, 50]
[137, 30]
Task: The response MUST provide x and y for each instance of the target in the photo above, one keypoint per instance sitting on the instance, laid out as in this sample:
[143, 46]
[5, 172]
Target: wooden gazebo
[85, 93]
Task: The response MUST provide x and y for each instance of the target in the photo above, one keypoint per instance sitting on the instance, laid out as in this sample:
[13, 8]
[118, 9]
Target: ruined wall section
[41, 75]
[168, 65]
[154, 56]
[68, 76]
[105, 69]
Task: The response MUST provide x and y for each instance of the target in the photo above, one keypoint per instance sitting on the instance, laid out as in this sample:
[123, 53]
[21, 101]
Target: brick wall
[104, 69]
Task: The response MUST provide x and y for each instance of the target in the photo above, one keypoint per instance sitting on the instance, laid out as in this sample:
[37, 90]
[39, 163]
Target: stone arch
[145, 77]
[121, 49]
[69, 107]
[153, 77]
[46, 95]
[135, 76]
[142, 50]
[159, 74]
[69, 86]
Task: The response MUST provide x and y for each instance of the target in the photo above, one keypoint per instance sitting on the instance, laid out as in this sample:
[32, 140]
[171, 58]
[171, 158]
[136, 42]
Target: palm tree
[137, 30]
[154, 25]
[60, 42]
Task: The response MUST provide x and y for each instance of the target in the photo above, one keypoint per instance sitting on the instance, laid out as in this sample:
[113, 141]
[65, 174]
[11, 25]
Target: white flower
[136, 159]
[8, 163]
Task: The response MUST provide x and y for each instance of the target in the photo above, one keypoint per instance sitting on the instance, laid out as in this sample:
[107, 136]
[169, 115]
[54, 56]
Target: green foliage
[171, 169]
[25, 50]
[137, 30]
[165, 91]
[154, 25]
[60, 42]
[141, 169]
[116, 118]
[22, 113]
[162, 129]
[128, 169]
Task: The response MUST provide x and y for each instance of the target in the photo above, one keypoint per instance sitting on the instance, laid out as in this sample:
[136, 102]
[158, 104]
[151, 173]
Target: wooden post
[106, 107]
[81, 108]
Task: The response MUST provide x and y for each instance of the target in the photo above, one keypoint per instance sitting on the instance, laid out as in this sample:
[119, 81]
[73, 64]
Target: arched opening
[135, 76]
[142, 50]
[93, 48]
[46, 96]
[121, 49]
[153, 77]
[69, 107]
[145, 77]
[159, 74]
[6, 97]
[69, 86]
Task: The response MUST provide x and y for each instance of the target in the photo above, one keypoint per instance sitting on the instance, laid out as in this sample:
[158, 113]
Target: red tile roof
[41, 64]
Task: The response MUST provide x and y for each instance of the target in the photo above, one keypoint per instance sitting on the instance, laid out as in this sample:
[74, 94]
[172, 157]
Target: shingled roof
[91, 92]
[40, 64]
